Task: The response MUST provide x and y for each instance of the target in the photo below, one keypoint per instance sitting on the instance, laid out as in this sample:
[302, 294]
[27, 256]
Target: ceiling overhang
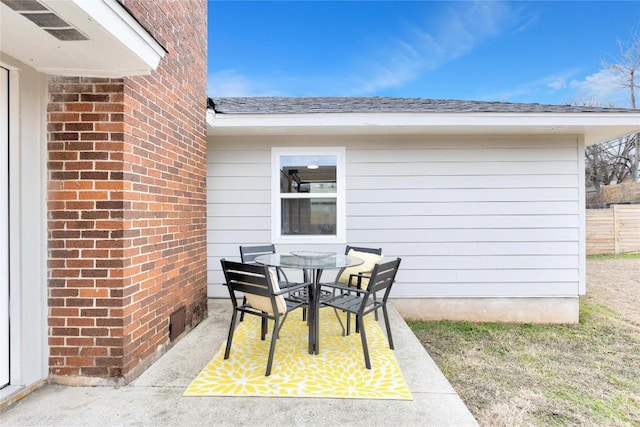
[87, 38]
[595, 127]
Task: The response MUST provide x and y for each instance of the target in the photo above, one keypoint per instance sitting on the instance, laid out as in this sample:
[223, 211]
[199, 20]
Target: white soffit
[596, 127]
[108, 41]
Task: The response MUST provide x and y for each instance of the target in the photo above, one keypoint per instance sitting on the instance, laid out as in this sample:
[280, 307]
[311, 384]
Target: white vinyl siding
[471, 216]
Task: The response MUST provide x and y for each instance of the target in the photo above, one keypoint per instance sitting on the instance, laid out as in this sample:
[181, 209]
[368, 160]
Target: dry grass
[584, 374]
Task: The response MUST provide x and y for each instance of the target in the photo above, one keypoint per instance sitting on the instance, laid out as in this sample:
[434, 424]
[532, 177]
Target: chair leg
[244, 301]
[272, 347]
[386, 322]
[335, 310]
[263, 327]
[363, 338]
[375, 312]
[232, 328]
[284, 317]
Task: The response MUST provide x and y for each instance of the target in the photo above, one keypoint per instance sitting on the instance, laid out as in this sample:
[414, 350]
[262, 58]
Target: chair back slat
[377, 251]
[248, 254]
[383, 276]
[247, 278]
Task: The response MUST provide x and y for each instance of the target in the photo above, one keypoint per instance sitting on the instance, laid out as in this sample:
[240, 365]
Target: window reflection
[302, 178]
[308, 174]
[309, 216]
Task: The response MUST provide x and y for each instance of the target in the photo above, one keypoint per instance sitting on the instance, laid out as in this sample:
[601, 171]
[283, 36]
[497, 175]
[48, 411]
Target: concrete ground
[155, 398]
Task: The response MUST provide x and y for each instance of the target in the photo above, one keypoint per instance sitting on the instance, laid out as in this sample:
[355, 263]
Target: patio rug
[337, 372]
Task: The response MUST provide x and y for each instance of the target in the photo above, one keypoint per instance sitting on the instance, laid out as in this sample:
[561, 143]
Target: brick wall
[127, 203]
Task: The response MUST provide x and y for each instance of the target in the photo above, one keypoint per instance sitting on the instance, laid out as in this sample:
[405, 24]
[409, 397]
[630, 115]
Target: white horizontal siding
[496, 289]
[476, 248]
[466, 208]
[461, 221]
[470, 216]
[462, 195]
[464, 182]
[455, 168]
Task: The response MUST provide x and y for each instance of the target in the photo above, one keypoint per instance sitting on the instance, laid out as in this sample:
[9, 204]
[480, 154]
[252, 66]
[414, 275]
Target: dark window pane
[308, 217]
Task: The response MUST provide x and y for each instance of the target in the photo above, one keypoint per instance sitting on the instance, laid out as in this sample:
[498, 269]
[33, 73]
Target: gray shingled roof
[307, 105]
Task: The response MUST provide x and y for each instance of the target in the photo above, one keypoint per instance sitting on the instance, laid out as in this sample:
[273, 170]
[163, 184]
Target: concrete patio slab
[155, 398]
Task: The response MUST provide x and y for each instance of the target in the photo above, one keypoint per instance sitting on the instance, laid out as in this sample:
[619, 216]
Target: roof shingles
[311, 105]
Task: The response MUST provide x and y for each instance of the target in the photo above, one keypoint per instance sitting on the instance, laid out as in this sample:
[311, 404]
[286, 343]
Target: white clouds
[451, 34]
[547, 87]
[603, 87]
[557, 83]
[452, 30]
[227, 83]
[231, 83]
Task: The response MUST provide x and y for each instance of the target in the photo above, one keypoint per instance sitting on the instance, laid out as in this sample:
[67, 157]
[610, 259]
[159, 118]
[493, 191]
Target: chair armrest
[343, 287]
[282, 275]
[292, 288]
[360, 275]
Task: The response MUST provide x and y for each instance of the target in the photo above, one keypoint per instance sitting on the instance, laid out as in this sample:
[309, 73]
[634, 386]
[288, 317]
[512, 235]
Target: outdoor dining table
[313, 268]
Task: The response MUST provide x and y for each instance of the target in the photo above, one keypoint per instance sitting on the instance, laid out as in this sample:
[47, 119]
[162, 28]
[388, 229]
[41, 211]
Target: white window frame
[276, 206]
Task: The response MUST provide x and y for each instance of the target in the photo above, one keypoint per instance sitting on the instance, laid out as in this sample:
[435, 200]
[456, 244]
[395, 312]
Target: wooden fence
[614, 230]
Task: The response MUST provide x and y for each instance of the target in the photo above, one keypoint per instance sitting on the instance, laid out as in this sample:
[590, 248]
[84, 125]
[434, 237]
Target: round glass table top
[292, 261]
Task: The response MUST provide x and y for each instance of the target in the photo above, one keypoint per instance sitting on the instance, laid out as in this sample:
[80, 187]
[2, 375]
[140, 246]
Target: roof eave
[116, 44]
[595, 127]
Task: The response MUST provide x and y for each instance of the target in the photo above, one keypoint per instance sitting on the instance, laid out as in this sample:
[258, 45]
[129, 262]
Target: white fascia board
[84, 72]
[116, 20]
[596, 127]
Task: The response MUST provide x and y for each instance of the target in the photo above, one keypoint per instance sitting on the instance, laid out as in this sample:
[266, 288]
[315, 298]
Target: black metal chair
[249, 253]
[360, 302]
[358, 275]
[262, 297]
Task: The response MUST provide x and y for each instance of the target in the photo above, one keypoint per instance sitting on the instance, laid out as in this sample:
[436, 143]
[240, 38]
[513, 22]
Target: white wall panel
[245, 210]
[484, 262]
[465, 182]
[470, 216]
[402, 195]
[469, 154]
[401, 249]
[462, 208]
[469, 235]
[560, 289]
[238, 196]
[456, 168]
[225, 223]
[461, 222]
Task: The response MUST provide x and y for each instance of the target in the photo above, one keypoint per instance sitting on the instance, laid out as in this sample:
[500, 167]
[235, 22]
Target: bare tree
[627, 67]
[616, 160]
[610, 162]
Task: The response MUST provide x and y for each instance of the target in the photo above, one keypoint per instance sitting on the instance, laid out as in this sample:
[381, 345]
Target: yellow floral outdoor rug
[337, 372]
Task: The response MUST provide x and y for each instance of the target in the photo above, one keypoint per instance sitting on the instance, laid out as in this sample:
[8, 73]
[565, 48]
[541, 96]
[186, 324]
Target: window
[307, 190]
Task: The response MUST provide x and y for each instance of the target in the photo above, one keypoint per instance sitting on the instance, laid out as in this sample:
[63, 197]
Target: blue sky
[522, 51]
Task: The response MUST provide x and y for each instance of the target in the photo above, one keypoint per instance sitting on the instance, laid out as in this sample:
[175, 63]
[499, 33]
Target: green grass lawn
[507, 374]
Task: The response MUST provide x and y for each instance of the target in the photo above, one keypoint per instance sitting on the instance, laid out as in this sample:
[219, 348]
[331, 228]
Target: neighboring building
[484, 202]
[103, 191]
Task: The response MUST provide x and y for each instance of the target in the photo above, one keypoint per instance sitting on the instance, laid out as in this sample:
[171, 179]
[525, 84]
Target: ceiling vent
[44, 18]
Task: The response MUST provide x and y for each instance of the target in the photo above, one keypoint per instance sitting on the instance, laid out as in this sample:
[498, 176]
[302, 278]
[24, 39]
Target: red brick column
[127, 204]
[85, 206]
